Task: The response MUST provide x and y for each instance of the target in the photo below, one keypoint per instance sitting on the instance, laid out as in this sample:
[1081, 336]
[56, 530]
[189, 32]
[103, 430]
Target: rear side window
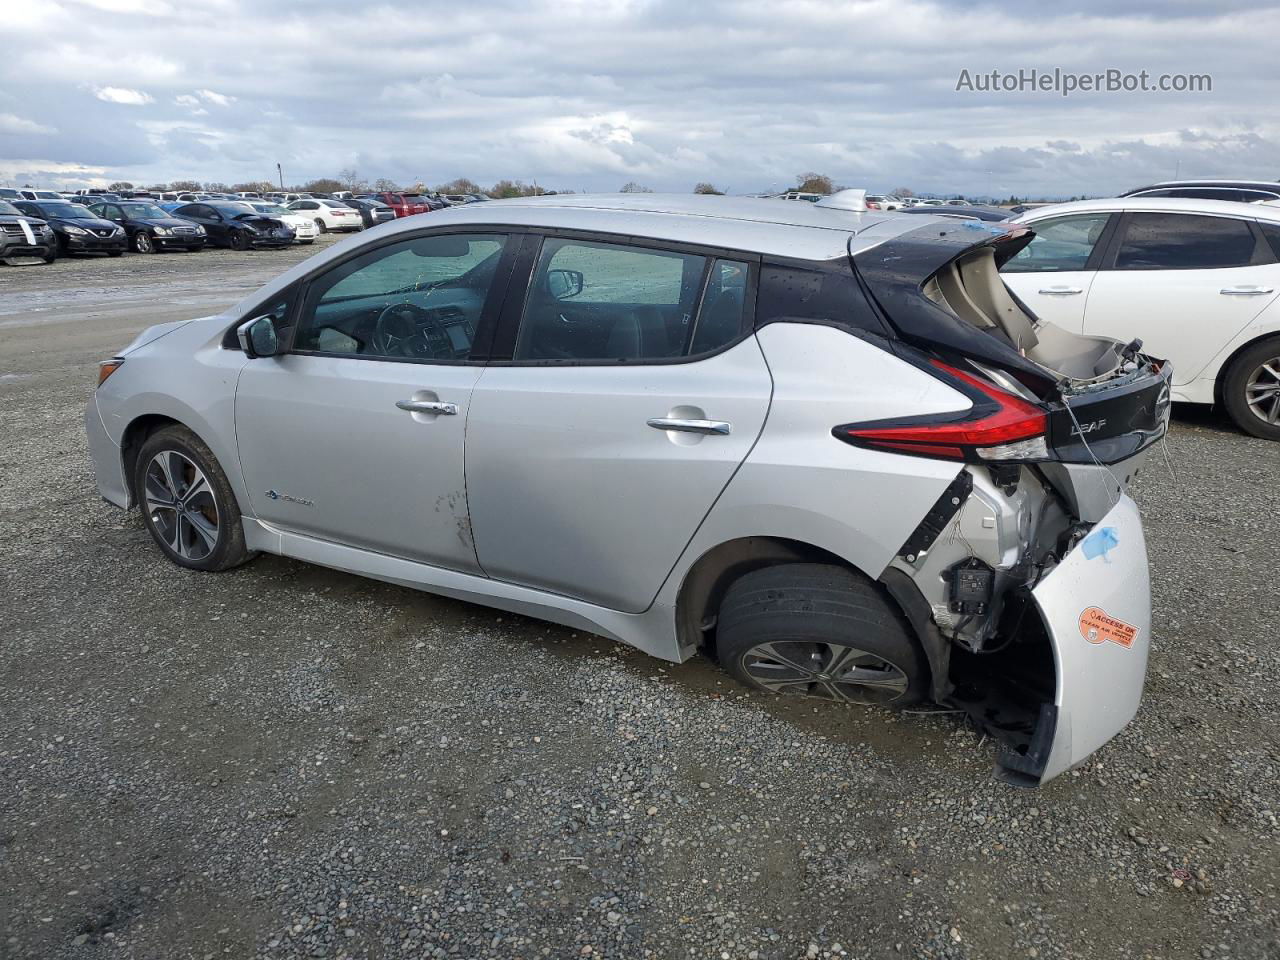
[591, 301]
[1272, 232]
[1060, 244]
[1177, 241]
[825, 294]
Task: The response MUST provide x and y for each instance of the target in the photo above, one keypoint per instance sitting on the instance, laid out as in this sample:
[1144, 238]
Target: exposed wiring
[1112, 495]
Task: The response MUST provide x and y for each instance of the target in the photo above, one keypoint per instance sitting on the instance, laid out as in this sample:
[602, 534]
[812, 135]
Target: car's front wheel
[321, 225]
[1251, 390]
[187, 503]
[144, 243]
[819, 630]
[239, 240]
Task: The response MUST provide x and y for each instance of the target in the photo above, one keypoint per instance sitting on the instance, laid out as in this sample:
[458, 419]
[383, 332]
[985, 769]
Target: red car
[404, 206]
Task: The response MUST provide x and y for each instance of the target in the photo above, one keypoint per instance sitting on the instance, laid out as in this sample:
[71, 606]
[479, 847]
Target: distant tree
[461, 185]
[634, 187]
[182, 186]
[253, 186]
[708, 188]
[903, 192]
[158, 188]
[216, 186]
[505, 189]
[324, 185]
[383, 185]
[120, 185]
[352, 179]
[815, 183]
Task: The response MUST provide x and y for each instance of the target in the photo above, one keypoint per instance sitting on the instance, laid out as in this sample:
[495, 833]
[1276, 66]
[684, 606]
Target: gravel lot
[284, 761]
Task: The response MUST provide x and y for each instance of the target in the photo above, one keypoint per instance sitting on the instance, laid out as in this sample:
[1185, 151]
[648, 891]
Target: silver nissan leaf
[824, 445]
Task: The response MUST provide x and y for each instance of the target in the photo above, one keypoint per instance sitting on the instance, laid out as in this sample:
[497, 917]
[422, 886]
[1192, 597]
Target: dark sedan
[151, 229]
[237, 225]
[77, 230]
[372, 212]
[22, 236]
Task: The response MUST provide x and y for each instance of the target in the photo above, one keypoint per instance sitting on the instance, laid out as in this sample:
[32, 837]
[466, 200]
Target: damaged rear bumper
[1096, 609]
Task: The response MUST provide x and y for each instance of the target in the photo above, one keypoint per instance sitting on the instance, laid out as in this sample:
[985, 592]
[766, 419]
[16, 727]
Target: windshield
[9, 210]
[233, 209]
[144, 211]
[70, 211]
[272, 208]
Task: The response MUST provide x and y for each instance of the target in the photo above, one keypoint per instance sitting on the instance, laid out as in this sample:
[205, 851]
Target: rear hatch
[939, 288]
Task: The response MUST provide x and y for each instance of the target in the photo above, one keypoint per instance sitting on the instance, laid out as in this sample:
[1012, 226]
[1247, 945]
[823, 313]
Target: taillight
[998, 427]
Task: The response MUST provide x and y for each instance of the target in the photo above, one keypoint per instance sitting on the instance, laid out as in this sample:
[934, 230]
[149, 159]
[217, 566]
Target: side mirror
[215, 216]
[564, 284]
[258, 337]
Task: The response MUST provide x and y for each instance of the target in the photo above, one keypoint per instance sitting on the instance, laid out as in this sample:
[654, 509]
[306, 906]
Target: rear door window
[1179, 241]
[598, 302]
[1060, 244]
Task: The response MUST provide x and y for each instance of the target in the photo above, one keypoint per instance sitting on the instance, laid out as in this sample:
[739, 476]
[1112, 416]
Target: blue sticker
[1101, 542]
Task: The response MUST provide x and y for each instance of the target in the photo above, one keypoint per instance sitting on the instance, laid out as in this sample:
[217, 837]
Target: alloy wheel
[181, 505]
[826, 670]
[1262, 391]
[143, 242]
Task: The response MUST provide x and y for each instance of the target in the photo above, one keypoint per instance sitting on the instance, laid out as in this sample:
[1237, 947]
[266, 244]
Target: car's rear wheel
[187, 503]
[143, 242]
[239, 240]
[320, 225]
[1251, 390]
[819, 630]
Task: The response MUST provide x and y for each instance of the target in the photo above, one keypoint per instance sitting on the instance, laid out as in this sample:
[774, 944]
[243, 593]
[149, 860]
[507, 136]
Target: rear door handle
[428, 406]
[1061, 291]
[717, 427]
[1245, 291]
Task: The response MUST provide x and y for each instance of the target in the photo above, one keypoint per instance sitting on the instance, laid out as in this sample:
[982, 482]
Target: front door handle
[716, 427]
[1061, 291]
[1245, 291]
[428, 406]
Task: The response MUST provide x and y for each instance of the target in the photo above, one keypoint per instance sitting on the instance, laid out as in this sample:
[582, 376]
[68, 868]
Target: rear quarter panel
[801, 483]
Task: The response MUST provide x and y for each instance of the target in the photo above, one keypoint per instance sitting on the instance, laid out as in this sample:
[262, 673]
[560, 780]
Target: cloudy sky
[590, 95]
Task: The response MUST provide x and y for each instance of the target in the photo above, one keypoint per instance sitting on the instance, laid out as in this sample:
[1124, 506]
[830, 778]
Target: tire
[52, 255]
[822, 631]
[1255, 376]
[203, 531]
[320, 225]
[143, 242]
[239, 241]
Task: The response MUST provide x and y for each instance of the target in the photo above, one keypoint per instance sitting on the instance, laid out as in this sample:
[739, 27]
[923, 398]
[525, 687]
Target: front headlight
[162, 231]
[76, 231]
[199, 230]
[250, 227]
[117, 231]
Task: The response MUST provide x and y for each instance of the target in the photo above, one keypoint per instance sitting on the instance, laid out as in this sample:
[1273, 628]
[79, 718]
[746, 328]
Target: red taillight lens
[998, 427]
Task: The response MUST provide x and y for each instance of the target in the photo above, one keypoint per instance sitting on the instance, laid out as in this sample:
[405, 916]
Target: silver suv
[823, 444]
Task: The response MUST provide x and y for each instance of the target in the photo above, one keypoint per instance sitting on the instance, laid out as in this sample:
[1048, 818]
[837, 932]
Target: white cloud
[10, 123]
[134, 98]
[220, 99]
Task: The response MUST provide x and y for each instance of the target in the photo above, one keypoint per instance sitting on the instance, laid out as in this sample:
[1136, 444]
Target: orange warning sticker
[1097, 627]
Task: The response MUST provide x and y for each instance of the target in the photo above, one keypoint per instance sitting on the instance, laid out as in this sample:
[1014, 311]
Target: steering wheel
[407, 330]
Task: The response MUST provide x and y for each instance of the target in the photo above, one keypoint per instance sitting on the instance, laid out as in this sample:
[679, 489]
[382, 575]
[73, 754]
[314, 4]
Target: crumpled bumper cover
[1096, 607]
[108, 466]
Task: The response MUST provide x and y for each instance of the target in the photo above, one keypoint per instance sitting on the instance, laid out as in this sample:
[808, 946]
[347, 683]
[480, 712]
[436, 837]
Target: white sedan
[304, 227]
[329, 214]
[1198, 281]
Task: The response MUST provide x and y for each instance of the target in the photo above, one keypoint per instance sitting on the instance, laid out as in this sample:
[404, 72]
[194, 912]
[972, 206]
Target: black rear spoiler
[893, 272]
